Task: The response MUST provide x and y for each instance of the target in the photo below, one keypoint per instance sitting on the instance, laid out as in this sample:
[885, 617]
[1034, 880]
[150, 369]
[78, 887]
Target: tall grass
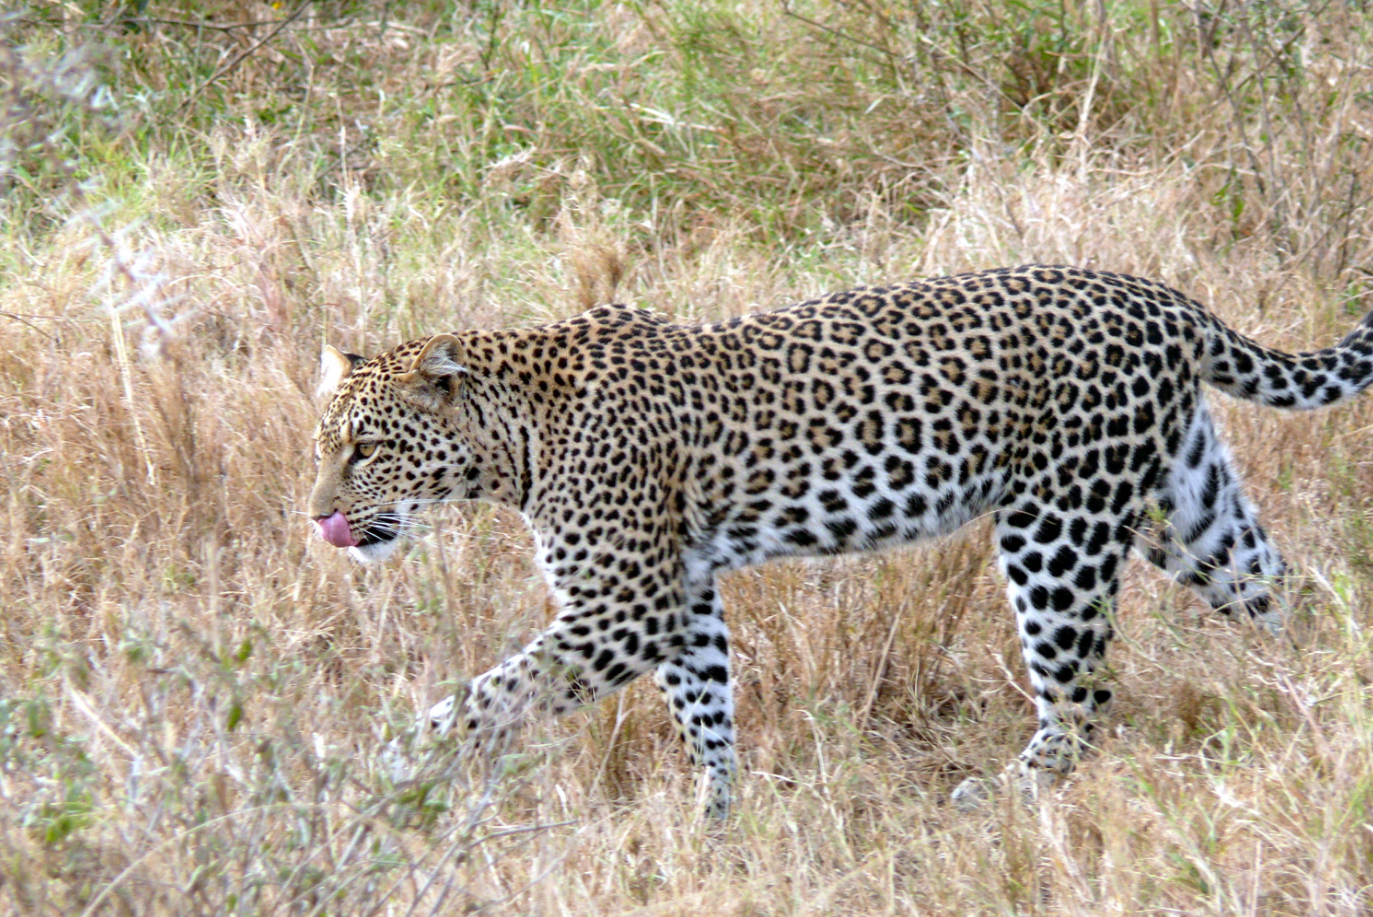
[195, 197]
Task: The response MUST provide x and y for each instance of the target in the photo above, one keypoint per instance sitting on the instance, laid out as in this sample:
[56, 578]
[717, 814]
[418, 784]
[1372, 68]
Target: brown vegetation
[192, 691]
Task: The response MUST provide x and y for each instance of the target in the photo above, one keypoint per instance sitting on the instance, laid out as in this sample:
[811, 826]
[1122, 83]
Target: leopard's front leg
[490, 707]
[562, 669]
[620, 616]
[488, 710]
[697, 688]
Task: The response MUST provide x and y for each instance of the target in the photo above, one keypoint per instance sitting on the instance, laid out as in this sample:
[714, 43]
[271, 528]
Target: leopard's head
[396, 435]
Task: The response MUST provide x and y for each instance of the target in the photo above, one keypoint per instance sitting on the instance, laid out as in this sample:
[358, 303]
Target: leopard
[647, 457]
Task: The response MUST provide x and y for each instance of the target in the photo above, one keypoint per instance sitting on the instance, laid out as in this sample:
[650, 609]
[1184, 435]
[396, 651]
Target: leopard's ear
[436, 372]
[334, 367]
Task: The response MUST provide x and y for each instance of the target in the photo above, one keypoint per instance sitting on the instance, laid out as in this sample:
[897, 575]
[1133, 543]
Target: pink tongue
[334, 529]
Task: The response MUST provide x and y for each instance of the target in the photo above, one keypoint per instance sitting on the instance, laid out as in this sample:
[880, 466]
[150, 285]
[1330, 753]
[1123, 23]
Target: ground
[191, 687]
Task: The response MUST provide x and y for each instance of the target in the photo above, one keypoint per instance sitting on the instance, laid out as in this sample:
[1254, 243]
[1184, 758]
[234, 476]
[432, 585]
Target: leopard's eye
[363, 451]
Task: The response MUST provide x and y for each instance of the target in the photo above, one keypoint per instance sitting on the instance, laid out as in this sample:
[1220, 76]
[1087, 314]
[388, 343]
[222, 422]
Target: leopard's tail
[1246, 369]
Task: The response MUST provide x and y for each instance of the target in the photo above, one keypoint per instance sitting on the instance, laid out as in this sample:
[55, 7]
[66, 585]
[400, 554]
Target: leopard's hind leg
[1209, 536]
[1063, 575]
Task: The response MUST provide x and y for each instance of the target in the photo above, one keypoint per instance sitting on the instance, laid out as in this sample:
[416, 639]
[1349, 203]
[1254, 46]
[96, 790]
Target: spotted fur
[647, 457]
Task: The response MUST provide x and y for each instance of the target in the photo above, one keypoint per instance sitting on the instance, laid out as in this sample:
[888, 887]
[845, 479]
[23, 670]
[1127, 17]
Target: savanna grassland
[194, 197]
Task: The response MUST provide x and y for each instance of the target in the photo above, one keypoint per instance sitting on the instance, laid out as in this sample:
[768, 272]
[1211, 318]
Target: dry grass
[192, 691]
